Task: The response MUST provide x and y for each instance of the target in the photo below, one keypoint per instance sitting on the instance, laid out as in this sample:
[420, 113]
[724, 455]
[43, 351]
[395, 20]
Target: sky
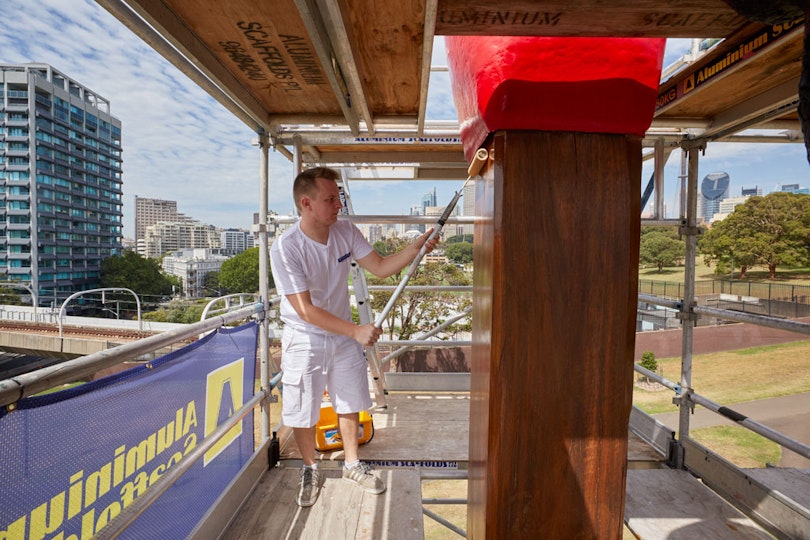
[180, 144]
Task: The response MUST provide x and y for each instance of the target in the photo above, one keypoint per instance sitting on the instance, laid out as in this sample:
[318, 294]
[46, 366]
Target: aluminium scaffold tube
[475, 167]
[752, 425]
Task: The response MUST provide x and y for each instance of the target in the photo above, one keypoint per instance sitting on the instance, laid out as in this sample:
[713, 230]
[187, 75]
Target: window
[18, 176]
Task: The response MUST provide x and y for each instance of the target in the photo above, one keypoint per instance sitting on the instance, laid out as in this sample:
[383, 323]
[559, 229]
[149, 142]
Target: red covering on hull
[595, 85]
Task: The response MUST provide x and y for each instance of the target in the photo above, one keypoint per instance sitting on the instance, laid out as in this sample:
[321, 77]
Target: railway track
[109, 334]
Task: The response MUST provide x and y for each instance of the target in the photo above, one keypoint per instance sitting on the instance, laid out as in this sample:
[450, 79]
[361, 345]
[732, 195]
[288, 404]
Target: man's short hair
[305, 185]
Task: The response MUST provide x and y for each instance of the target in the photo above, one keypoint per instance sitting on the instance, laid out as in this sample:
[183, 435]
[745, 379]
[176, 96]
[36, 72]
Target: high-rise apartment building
[60, 181]
[468, 200]
[151, 211]
[167, 236]
[235, 241]
[429, 199]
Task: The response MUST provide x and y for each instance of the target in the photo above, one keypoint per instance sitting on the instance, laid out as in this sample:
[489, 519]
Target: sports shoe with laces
[362, 474]
[308, 487]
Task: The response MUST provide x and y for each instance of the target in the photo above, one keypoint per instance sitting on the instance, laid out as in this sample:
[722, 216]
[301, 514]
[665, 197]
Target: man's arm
[366, 334]
[382, 267]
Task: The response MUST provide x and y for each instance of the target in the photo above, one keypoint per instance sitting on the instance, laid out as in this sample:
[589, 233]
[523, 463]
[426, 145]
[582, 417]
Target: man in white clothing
[322, 348]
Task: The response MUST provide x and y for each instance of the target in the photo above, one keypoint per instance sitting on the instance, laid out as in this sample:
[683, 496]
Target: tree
[459, 252]
[240, 274]
[417, 312]
[660, 246]
[728, 246]
[769, 231]
[460, 238]
[211, 283]
[9, 297]
[390, 246]
[132, 271]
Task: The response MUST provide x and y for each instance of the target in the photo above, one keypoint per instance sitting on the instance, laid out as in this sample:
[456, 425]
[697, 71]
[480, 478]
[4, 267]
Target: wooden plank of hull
[556, 265]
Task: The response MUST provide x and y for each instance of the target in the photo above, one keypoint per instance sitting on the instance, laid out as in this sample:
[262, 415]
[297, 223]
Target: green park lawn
[674, 274]
[731, 377]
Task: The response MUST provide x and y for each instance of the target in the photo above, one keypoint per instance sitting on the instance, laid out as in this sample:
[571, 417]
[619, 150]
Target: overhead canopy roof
[348, 80]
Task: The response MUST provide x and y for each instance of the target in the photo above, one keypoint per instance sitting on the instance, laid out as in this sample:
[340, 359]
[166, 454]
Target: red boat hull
[593, 85]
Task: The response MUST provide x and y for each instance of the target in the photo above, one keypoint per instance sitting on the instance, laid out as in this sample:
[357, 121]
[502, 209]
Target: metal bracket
[685, 399]
[687, 315]
[685, 230]
[694, 144]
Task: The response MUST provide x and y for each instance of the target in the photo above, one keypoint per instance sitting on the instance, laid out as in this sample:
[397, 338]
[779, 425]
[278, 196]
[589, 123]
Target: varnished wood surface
[673, 504]
[556, 280]
[343, 511]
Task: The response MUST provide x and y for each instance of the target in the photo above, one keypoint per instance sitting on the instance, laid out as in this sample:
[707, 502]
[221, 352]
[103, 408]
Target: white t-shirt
[301, 264]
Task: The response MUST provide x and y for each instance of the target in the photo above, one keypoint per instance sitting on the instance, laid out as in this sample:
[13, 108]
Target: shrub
[648, 361]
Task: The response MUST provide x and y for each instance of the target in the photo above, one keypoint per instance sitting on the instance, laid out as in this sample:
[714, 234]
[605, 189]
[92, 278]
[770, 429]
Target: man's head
[306, 185]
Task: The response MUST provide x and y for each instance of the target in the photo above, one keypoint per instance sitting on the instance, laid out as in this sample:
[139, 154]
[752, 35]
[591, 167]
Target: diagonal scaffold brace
[477, 163]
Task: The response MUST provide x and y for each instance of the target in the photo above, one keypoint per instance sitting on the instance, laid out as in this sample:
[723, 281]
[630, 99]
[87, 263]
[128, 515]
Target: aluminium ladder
[363, 300]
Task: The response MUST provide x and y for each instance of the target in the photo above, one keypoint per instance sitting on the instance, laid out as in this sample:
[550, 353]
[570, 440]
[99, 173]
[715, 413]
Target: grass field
[796, 276]
[736, 376]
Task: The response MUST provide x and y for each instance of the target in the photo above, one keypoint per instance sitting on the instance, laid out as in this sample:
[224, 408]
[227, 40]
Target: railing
[28, 384]
[784, 292]
[771, 299]
[102, 291]
[443, 475]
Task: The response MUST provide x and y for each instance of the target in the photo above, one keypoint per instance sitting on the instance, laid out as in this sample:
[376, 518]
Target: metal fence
[784, 292]
[772, 299]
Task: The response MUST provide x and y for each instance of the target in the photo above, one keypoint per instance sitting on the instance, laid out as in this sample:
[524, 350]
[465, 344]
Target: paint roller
[478, 161]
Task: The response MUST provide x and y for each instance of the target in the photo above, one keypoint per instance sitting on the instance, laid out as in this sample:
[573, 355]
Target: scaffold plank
[673, 504]
[341, 511]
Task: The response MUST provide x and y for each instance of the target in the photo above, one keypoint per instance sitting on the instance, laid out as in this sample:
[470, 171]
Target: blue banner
[73, 460]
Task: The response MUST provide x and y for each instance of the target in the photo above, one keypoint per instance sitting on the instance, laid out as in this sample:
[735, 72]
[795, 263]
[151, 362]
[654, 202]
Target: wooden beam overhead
[618, 18]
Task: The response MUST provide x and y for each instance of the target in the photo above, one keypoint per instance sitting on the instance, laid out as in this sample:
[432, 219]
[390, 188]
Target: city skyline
[180, 144]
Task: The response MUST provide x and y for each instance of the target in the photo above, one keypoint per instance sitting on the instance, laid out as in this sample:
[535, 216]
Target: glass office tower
[60, 182]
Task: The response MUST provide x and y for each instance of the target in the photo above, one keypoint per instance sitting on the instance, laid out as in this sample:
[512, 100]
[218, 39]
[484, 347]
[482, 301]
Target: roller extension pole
[475, 167]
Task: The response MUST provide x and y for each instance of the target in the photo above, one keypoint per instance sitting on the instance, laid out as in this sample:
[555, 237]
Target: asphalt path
[789, 415]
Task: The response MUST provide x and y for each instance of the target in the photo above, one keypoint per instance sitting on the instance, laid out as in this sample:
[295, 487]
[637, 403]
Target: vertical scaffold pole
[690, 231]
[659, 160]
[264, 280]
